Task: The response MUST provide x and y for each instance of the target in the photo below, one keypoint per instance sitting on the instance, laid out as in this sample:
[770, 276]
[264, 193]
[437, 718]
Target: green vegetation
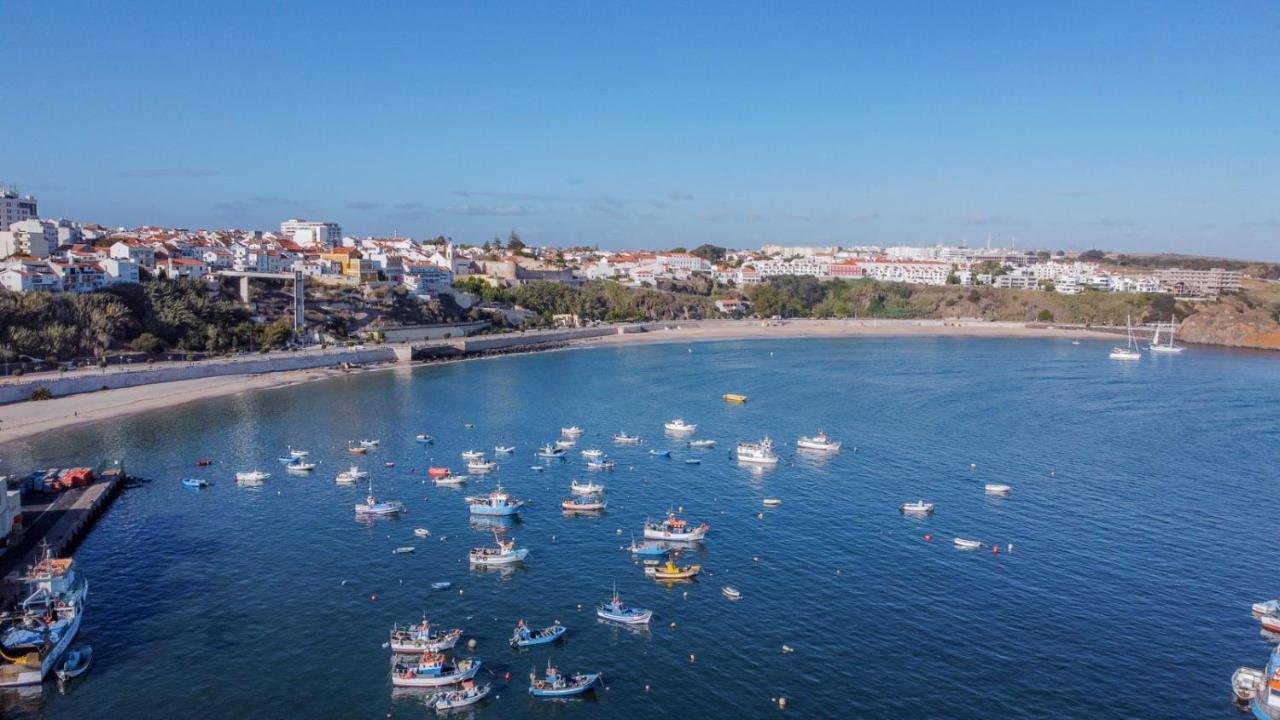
[595, 300]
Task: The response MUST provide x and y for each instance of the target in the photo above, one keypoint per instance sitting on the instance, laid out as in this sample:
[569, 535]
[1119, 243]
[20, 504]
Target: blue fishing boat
[424, 438]
[648, 549]
[195, 483]
[524, 636]
[660, 453]
[289, 460]
[616, 611]
[431, 670]
[556, 685]
[498, 502]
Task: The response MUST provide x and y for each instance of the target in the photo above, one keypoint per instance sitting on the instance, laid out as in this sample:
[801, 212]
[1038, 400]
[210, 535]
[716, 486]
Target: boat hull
[35, 674]
[588, 682]
[415, 680]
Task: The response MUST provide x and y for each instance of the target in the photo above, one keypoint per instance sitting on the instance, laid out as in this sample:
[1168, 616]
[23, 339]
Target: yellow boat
[735, 398]
[671, 571]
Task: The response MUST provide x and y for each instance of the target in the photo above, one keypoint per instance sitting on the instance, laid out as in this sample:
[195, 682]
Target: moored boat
[963, 544]
[431, 670]
[599, 464]
[298, 453]
[617, 611]
[551, 451]
[373, 506]
[470, 455]
[553, 684]
[918, 507]
[468, 694]
[571, 431]
[680, 426]
[196, 483]
[480, 465]
[1246, 682]
[300, 466]
[524, 636]
[437, 472]
[772, 502]
[673, 528]
[424, 438]
[818, 442]
[421, 638]
[760, 453]
[622, 438]
[648, 549]
[566, 444]
[671, 571]
[594, 502]
[35, 636]
[370, 443]
[354, 450]
[504, 449]
[351, 475]
[498, 502]
[730, 592]
[1130, 351]
[1267, 607]
[204, 462]
[421, 532]
[76, 662]
[734, 398]
[503, 552]
[997, 489]
[585, 488]
[593, 454]
[252, 476]
[702, 443]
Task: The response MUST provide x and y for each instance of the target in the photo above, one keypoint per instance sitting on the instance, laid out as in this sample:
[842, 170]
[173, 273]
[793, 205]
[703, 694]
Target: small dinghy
[481, 466]
[300, 467]
[571, 431]
[524, 636]
[1246, 682]
[420, 638]
[287, 460]
[617, 611]
[357, 450]
[76, 662]
[252, 477]
[660, 453]
[438, 472]
[443, 585]
[772, 502]
[593, 454]
[702, 443]
[565, 444]
[918, 507]
[554, 685]
[431, 670]
[551, 451]
[449, 479]
[370, 443]
[421, 532]
[623, 438]
[680, 426]
[962, 544]
[403, 550]
[388, 464]
[1270, 623]
[424, 438]
[648, 549]
[351, 476]
[997, 489]
[693, 461]
[204, 462]
[472, 455]
[599, 464]
[469, 694]
[195, 483]
[504, 449]
[536, 468]
[730, 592]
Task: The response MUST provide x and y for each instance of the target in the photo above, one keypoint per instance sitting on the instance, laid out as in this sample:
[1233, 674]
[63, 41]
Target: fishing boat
[818, 442]
[772, 502]
[252, 476]
[35, 636]
[196, 483]
[431, 670]
[623, 438]
[671, 571]
[760, 453]
[300, 467]
[472, 455]
[1270, 623]
[498, 502]
[730, 592]
[442, 585]
[287, 460]
[298, 453]
[587, 488]
[599, 464]
[1246, 682]
[617, 611]
[680, 426]
[672, 528]
[480, 465]
[421, 532]
[504, 449]
[351, 475]
[593, 454]
[1267, 607]
[374, 506]
[660, 453]
[503, 552]
[76, 662]
[585, 503]
[565, 444]
[962, 544]
[403, 550]
[437, 472]
[554, 685]
[918, 507]
[734, 398]
[358, 450]
[420, 638]
[571, 431]
[468, 694]
[1130, 351]
[1168, 348]
[370, 443]
[524, 636]
[648, 549]
[997, 489]
[702, 443]
[204, 462]
[424, 438]
[551, 451]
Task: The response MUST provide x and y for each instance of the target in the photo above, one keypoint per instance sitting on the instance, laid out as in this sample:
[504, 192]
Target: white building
[144, 255]
[16, 208]
[119, 271]
[920, 272]
[312, 234]
[29, 277]
[31, 237]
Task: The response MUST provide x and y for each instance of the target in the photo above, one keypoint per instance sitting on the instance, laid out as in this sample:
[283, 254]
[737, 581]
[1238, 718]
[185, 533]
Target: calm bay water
[1140, 520]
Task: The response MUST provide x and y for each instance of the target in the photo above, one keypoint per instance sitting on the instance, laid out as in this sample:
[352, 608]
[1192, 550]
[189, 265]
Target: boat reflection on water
[491, 523]
[370, 520]
[505, 572]
[618, 628]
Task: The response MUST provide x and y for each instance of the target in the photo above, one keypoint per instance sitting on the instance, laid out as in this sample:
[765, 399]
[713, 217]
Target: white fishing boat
[585, 488]
[352, 475]
[565, 444]
[593, 454]
[1130, 351]
[420, 638]
[997, 489]
[1246, 682]
[599, 464]
[300, 467]
[918, 507]
[370, 443]
[298, 453]
[730, 592]
[469, 694]
[760, 453]
[623, 438]
[1169, 347]
[504, 449]
[1267, 607]
[962, 544]
[772, 502]
[424, 438]
[252, 477]
[673, 528]
[449, 479]
[421, 532]
[472, 454]
[680, 426]
[593, 502]
[431, 670]
[403, 550]
[571, 431]
[702, 443]
[35, 636]
[480, 465]
[818, 442]
[503, 552]
[550, 451]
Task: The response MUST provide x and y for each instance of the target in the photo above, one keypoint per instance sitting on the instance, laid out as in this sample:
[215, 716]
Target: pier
[59, 519]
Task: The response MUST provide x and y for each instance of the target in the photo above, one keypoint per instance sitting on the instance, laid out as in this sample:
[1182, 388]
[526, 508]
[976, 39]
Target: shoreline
[19, 421]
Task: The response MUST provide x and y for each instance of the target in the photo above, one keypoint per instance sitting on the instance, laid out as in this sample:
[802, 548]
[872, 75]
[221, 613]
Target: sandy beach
[22, 420]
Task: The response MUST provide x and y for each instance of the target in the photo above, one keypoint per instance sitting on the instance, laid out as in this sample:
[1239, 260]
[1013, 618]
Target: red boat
[204, 463]
[438, 472]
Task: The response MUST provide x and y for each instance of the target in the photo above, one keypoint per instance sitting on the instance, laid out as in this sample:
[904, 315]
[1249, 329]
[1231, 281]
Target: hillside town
[57, 255]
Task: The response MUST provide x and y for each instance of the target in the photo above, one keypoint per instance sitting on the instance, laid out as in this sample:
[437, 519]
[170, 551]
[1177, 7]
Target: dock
[59, 519]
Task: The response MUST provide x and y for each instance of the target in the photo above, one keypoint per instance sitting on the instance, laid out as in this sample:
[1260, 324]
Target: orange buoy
[508, 675]
[928, 538]
[995, 549]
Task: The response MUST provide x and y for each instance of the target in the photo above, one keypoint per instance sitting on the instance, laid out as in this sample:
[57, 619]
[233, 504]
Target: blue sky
[1136, 126]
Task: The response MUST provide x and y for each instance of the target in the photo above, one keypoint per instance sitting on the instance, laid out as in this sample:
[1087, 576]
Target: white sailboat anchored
[1130, 351]
[1168, 347]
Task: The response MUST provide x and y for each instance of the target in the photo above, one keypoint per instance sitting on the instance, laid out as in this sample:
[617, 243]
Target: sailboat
[1169, 347]
[1130, 351]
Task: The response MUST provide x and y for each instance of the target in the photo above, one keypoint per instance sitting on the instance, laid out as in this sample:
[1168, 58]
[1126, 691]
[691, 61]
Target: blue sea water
[1141, 521]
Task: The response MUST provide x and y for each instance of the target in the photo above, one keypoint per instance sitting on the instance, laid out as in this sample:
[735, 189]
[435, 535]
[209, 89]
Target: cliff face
[1232, 323]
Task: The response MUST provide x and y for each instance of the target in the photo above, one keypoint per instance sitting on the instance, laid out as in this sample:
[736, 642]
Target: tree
[514, 243]
[953, 278]
[1043, 255]
[710, 253]
[1093, 255]
[1045, 316]
[147, 343]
